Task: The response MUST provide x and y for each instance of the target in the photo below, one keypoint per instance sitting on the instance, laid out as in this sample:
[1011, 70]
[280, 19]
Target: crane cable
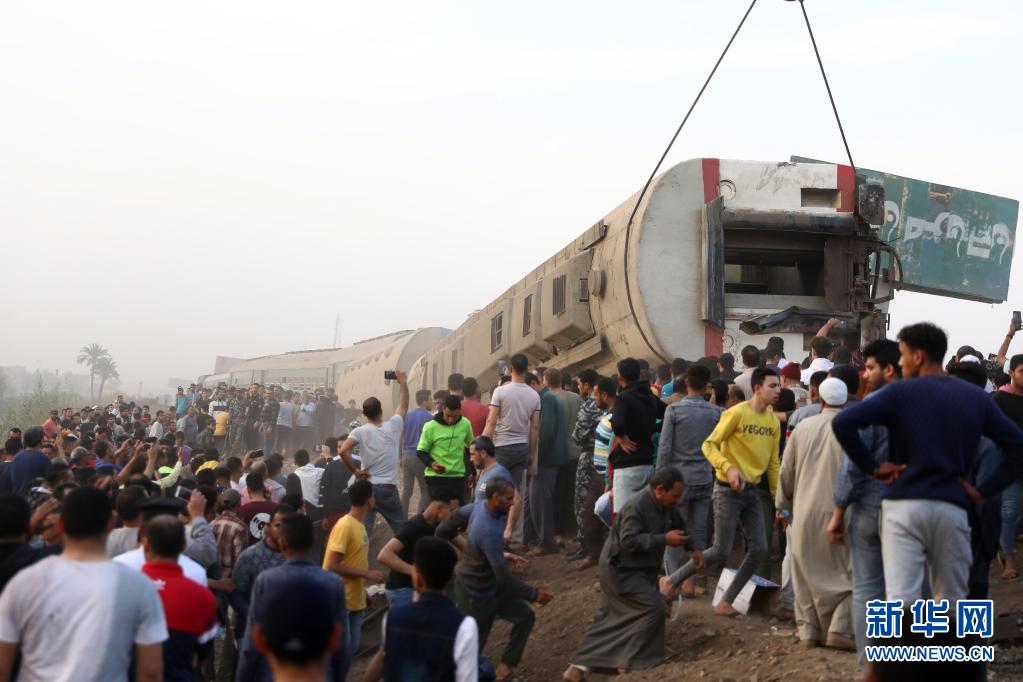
[653, 174]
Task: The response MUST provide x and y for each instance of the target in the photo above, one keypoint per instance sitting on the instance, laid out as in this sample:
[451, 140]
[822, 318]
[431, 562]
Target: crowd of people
[228, 535]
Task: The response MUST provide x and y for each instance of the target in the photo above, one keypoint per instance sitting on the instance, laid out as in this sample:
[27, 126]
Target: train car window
[559, 294]
[527, 315]
[584, 290]
[496, 329]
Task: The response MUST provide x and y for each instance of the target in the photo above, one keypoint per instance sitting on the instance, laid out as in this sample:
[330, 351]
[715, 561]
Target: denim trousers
[353, 638]
[732, 509]
[864, 539]
[695, 508]
[399, 597]
[388, 503]
[1010, 514]
[514, 458]
[503, 605]
[925, 538]
[540, 528]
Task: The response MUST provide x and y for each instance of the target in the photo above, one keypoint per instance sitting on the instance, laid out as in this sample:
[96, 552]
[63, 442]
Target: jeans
[514, 458]
[541, 507]
[589, 486]
[925, 536]
[768, 510]
[732, 509]
[864, 539]
[266, 433]
[399, 597]
[387, 502]
[412, 473]
[695, 508]
[1010, 513]
[629, 481]
[353, 638]
[503, 605]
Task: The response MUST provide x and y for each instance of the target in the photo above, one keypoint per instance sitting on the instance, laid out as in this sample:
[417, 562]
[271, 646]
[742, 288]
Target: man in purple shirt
[30, 463]
[412, 469]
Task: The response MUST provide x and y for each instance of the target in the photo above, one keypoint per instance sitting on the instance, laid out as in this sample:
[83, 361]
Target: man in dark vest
[430, 639]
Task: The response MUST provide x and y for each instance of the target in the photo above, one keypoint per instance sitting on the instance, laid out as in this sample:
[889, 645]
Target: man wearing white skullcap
[821, 571]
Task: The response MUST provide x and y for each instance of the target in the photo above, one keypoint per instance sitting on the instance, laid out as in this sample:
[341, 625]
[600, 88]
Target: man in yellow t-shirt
[348, 556]
[742, 448]
[221, 419]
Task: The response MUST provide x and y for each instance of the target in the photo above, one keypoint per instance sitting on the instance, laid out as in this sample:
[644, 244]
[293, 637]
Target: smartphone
[150, 440]
[183, 493]
[257, 453]
[1017, 320]
[389, 375]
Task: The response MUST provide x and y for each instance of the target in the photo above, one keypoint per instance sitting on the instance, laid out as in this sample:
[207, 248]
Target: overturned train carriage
[718, 254]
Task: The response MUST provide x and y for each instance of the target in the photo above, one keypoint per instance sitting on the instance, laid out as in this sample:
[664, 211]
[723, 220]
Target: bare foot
[503, 671]
[689, 587]
[1009, 567]
[573, 674]
[725, 609]
[838, 641]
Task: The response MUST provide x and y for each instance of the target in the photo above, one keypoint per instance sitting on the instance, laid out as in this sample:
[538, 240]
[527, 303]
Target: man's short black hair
[629, 368]
[434, 561]
[453, 402]
[301, 457]
[817, 378]
[422, 396]
[330, 442]
[971, 372]
[484, 444]
[360, 492]
[552, 377]
[210, 493]
[663, 373]
[822, 346]
[497, 486]
[455, 381]
[519, 363]
[14, 517]
[778, 342]
[297, 530]
[772, 354]
[12, 446]
[923, 336]
[129, 502]
[372, 408]
[1015, 361]
[842, 355]
[234, 463]
[886, 354]
[205, 477]
[679, 367]
[441, 395]
[33, 436]
[589, 376]
[85, 513]
[727, 360]
[666, 478]
[697, 377]
[607, 385]
[166, 536]
[750, 356]
[254, 481]
[761, 373]
[470, 386]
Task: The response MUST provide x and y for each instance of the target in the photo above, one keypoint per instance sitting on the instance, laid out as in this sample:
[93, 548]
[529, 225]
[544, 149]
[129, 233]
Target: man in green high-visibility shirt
[442, 449]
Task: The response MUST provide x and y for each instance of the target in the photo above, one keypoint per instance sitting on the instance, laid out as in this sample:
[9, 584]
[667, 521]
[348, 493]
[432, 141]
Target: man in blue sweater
[935, 424]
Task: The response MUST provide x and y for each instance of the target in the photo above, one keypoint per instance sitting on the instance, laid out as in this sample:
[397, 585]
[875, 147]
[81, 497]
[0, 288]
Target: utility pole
[337, 330]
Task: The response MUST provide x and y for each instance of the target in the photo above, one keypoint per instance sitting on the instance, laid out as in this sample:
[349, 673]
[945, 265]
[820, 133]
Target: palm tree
[90, 355]
[106, 369]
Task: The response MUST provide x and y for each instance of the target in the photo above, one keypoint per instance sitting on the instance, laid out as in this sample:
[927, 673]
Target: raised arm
[1003, 350]
[403, 401]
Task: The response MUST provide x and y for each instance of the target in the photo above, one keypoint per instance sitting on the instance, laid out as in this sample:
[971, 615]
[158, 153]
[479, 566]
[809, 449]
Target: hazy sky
[180, 180]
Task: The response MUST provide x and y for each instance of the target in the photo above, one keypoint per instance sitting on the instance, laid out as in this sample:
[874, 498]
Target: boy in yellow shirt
[348, 555]
[742, 448]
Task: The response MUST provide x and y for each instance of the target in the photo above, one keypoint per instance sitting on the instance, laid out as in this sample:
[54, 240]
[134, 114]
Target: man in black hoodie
[634, 421]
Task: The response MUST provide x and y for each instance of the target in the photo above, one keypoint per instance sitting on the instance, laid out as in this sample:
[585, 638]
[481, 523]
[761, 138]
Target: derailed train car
[717, 254]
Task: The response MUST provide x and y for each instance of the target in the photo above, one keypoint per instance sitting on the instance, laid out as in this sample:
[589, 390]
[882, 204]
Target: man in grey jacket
[687, 424]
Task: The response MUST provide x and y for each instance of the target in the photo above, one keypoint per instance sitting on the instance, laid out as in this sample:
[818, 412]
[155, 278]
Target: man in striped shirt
[602, 439]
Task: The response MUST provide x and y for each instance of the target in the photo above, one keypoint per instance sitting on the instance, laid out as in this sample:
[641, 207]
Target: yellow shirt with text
[747, 440]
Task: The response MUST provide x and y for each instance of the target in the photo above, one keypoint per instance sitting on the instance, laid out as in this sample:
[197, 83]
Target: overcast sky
[180, 180]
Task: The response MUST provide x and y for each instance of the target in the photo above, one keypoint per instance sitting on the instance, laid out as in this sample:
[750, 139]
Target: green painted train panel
[951, 241]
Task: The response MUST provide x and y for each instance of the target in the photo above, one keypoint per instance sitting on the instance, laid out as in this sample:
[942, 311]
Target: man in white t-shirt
[136, 558]
[80, 616]
[820, 350]
[513, 423]
[379, 442]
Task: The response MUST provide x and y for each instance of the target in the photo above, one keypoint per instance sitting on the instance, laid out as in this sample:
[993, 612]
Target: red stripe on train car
[846, 186]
